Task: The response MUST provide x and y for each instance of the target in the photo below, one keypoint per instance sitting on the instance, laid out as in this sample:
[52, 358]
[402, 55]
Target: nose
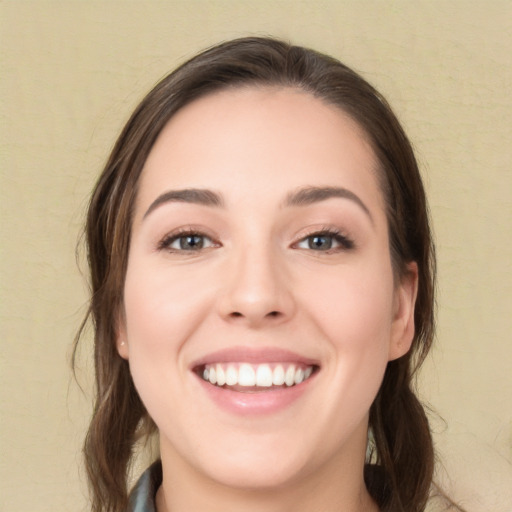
[257, 292]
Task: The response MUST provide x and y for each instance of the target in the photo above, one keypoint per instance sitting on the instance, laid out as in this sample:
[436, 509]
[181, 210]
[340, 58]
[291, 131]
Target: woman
[262, 292]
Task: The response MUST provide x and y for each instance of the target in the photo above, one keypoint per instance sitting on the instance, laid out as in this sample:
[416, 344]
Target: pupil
[320, 242]
[191, 242]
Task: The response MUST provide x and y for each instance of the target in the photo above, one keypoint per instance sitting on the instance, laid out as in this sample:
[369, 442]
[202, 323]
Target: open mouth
[254, 378]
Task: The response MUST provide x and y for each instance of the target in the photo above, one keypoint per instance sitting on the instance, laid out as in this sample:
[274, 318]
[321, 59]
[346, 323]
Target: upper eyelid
[321, 230]
[188, 230]
[343, 237]
[202, 231]
[165, 241]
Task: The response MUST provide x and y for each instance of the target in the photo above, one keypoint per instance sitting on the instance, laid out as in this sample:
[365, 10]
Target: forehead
[257, 141]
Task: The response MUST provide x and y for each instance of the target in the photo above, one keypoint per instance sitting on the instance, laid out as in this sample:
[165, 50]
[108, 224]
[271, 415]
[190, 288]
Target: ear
[402, 332]
[121, 338]
[122, 348]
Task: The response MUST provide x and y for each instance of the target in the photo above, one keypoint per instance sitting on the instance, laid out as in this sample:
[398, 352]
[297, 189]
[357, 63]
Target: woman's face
[260, 308]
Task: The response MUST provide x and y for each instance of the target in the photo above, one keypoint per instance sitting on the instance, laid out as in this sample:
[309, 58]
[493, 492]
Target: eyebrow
[189, 195]
[302, 197]
[310, 195]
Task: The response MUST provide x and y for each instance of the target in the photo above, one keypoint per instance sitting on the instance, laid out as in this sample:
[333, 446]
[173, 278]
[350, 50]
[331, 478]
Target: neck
[335, 487]
[257, 501]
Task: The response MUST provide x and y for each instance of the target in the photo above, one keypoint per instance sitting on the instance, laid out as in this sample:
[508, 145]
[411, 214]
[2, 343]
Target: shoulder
[142, 497]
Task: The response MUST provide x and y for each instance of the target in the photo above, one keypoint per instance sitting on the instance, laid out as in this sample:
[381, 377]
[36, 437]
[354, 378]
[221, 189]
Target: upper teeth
[262, 375]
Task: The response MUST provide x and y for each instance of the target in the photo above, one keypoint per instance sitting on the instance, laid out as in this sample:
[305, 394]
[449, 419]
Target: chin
[246, 461]
[248, 474]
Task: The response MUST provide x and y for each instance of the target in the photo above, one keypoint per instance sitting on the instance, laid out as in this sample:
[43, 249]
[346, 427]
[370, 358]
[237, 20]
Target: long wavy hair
[399, 470]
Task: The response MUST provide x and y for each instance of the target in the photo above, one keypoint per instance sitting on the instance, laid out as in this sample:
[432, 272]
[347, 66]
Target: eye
[189, 241]
[325, 241]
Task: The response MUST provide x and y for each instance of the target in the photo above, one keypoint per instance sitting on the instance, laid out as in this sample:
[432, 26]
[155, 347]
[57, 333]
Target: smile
[246, 377]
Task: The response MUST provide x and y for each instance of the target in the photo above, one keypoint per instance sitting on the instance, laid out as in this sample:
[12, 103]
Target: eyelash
[166, 243]
[344, 242]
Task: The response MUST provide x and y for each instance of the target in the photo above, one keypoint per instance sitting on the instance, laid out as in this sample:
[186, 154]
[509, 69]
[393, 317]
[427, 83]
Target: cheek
[354, 305]
[354, 311]
[161, 310]
[159, 303]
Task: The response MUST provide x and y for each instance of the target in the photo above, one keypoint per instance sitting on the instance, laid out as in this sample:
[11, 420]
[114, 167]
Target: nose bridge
[257, 290]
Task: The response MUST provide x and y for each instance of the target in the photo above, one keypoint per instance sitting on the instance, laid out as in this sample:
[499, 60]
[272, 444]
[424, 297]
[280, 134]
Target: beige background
[72, 71]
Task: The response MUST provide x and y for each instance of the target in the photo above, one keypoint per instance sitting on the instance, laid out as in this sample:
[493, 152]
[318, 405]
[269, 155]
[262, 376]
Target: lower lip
[263, 402]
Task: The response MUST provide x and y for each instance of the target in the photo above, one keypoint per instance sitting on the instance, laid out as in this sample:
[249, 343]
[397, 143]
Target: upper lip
[260, 355]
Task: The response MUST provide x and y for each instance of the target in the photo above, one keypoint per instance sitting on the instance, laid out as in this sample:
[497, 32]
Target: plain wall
[72, 71]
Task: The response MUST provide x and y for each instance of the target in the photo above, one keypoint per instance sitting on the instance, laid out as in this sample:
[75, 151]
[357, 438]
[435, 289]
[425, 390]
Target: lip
[265, 402]
[254, 403]
[259, 355]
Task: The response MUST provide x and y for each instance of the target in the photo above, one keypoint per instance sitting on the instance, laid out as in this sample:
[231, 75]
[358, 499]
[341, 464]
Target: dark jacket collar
[142, 497]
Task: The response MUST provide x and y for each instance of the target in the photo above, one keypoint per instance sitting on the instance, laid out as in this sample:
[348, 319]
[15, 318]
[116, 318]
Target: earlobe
[122, 348]
[403, 321]
[121, 343]
[121, 337]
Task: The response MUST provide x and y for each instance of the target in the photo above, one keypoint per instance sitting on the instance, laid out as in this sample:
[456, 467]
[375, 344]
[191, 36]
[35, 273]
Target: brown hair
[399, 473]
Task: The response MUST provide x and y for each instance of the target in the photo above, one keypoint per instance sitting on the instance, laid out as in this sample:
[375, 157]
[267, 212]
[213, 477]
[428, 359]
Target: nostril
[237, 314]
